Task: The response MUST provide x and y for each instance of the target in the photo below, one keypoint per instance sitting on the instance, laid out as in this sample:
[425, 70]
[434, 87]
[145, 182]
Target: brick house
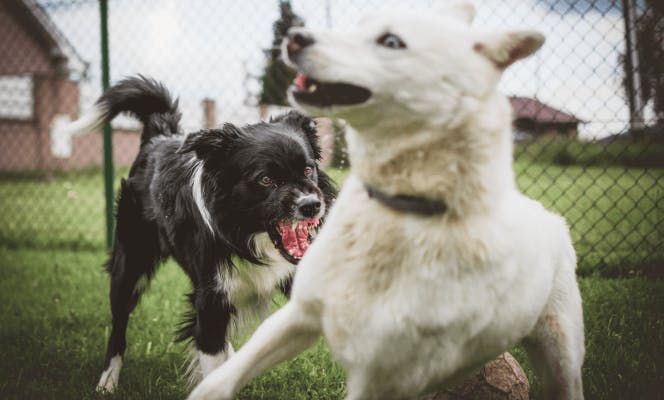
[532, 118]
[40, 74]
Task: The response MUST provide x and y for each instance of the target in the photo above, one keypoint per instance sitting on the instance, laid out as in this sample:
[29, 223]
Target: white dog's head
[403, 68]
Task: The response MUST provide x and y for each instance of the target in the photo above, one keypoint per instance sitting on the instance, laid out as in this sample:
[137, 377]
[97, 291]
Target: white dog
[431, 261]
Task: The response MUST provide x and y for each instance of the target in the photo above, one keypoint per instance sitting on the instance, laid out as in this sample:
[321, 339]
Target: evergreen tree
[277, 76]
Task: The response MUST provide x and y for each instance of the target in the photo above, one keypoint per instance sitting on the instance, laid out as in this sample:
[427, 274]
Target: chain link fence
[588, 108]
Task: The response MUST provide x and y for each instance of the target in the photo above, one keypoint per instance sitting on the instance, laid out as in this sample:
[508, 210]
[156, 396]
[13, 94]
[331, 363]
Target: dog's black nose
[309, 207]
[298, 40]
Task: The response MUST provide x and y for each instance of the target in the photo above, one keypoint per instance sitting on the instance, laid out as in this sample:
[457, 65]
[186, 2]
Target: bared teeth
[296, 236]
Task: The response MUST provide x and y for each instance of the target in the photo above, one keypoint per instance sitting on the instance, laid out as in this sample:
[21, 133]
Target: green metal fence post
[108, 131]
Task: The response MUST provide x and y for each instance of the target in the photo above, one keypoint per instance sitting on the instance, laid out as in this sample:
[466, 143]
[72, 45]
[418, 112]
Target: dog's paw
[110, 377]
[213, 387]
[205, 392]
[107, 383]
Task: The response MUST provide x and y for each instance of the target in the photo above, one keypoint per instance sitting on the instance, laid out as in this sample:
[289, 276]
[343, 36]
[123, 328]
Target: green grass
[55, 318]
[614, 213]
[60, 209]
[624, 328]
[626, 152]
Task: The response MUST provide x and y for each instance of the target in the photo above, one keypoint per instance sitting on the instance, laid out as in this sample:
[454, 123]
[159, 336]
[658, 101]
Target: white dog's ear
[462, 9]
[507, 47]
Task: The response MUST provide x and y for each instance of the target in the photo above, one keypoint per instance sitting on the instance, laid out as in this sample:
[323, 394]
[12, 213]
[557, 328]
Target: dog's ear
[209, 143]
[465, 10]
[507, 47]
[305, 124]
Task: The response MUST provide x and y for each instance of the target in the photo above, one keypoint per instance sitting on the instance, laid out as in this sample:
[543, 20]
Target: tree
[277, 76]
[649, 27]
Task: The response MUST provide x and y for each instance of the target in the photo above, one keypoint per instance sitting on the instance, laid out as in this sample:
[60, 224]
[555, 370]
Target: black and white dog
[253, 192]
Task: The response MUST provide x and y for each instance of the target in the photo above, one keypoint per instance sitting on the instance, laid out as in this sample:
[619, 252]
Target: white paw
[111, 376]
[213, 387]
[203, 392]
[209, 363]
[202, 364]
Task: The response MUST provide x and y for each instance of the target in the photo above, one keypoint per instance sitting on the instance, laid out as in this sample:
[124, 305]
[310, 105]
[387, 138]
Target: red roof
[528, 108]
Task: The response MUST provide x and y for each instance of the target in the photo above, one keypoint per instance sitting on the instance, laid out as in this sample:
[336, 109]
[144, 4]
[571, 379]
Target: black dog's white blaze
[199, 199]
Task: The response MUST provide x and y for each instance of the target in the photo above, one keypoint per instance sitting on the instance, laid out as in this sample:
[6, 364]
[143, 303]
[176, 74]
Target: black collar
[407, 203]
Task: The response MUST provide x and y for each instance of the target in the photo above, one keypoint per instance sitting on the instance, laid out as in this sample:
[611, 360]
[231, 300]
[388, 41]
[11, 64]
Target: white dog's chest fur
[437, 294]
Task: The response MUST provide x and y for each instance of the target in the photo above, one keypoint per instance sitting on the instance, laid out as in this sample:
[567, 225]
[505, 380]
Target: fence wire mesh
[588, 108]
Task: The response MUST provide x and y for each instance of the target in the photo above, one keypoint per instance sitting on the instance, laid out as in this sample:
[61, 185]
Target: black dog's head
[265, 178]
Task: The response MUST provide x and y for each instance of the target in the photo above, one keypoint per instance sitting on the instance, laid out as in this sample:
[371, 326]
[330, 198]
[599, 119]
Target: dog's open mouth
[292, 238]
[312, 92]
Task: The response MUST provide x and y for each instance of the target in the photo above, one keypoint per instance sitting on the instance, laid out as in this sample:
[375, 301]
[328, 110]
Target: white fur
[407, 303]
[249, 286]
[251, 289]
[209, 362]
[197, 192]
[88, 122]
[111, 376]
[201, 364]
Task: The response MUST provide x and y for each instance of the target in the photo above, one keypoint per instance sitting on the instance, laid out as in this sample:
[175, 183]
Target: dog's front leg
[556, 346]
[286, 333]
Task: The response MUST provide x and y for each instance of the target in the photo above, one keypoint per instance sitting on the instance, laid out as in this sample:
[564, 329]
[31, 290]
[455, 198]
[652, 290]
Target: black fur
[157, 216]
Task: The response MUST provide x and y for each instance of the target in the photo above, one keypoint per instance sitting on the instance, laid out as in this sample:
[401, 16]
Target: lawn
[55, 318]
[614, 213]
[54, 322]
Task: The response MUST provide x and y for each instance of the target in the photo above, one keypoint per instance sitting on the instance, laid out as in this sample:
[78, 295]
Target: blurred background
[588, 108]
[588, 111]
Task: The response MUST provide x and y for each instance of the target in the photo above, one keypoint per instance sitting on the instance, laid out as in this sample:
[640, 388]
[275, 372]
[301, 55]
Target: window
[16, 100]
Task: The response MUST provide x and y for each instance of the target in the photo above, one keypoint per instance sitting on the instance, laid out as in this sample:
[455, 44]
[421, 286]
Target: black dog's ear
[210, 142]
[305, 124]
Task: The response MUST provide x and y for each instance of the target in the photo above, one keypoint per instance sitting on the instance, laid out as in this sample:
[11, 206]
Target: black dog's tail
[144, 98]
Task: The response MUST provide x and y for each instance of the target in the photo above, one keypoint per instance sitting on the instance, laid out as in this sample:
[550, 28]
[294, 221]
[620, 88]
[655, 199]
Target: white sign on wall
[61, 139]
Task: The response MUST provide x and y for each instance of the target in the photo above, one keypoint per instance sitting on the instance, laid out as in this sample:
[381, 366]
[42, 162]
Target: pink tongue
[299, 81]
[296, 241]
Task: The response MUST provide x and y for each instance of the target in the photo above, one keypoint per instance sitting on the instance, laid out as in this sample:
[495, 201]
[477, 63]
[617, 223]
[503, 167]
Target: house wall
[52, 96]
[537, 129]
[20, 51]
[566, 130]
[88, 150]
[18, 145]
[26, 144]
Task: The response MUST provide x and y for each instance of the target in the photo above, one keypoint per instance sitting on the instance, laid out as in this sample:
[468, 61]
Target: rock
[499, 379]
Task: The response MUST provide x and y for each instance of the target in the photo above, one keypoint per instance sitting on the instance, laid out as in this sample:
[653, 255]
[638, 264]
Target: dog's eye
[391, 41]
[265, 181]
[308, 171]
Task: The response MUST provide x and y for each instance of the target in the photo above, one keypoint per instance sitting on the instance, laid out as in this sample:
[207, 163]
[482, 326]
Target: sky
[214, 49]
